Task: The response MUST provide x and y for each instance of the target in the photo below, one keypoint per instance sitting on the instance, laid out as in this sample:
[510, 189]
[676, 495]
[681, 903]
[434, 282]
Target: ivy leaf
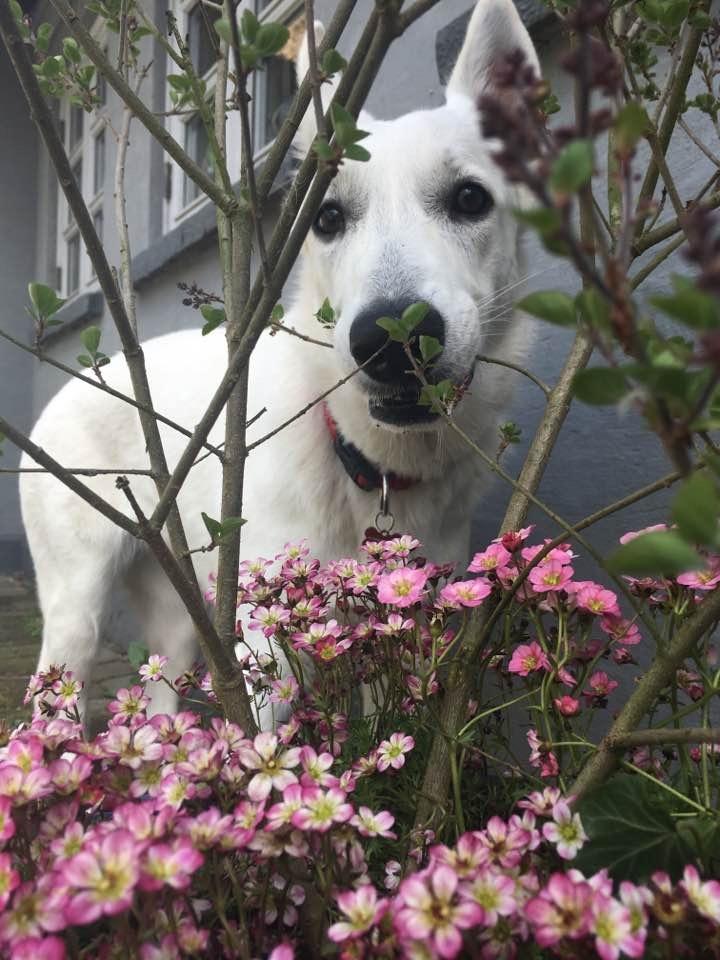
[332, 62]
[550, 305]
[271, 38]
[356, 152]
[90, 339]
[430, 347]
[630, 125]
[631, 831]
[44, 299]
[213, 317]
[600, 385]
[696, 509]
[662, 552]
[573, 167]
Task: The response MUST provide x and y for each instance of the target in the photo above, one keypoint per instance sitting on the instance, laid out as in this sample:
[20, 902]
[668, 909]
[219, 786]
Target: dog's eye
[330, 220]
[470, 199]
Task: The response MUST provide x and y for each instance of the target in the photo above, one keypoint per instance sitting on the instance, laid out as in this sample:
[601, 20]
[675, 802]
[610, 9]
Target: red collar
[362, 473]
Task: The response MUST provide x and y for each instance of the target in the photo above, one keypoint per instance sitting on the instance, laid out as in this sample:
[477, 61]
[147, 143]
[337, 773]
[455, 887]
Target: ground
[20, 635]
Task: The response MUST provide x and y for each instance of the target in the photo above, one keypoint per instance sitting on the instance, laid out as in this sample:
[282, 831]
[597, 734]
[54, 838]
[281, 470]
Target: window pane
[77, 115]
[198, 147]
[280, 86]
[200, 39]
[99, 163]
[77, 173]
[73, 264]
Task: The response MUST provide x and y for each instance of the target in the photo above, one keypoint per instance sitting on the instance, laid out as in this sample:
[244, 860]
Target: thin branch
[702, 147]
[658, 738]
[313, 71]
[155, 128]
[417, 10]
[481, 358]
[58, 365]
[301, 336]
[81, 471]
[668, 229]
[36, 453]
[660, 257]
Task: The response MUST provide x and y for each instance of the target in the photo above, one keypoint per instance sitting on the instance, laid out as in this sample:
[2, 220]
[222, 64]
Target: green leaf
[44, 36]
[356, 152]
[90, 339]
[248, 56]
[345, 127]
[430, 347]
[85, 361]
[44, 299]
[249, 25]
[137, 654]
[600, 385]
[224, 30]
[229, 525]
[179, 81]
[213, 317]
[326, 314]
[71, 51]
[593, 308]
[689, 305]
[662, 552]
[631, 831]
[322, 149]
[213, 527]
[630, 125]
[550, 305]
[696, 509]
[332, 62]
[271, 38]
[437, 395]
[400, 328]
[277, 314]
[573, 167]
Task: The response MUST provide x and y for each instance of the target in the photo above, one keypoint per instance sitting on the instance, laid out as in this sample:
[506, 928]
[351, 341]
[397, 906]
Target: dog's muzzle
[394, 388]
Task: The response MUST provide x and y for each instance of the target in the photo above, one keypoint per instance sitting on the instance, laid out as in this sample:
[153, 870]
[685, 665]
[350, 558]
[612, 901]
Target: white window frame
[94, 124]
[175, 210]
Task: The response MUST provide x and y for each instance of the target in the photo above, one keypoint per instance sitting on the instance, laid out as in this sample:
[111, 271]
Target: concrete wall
[601, 454]
[18, 152]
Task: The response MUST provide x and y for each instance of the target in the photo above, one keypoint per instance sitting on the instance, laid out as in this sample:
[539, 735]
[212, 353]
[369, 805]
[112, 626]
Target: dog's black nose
[392, 364]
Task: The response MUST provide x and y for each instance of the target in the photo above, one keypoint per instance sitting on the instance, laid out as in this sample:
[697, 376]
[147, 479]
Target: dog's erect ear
[495, 29]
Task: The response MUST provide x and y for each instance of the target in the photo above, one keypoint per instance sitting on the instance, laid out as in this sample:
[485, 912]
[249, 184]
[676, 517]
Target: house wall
[18, 152]
[602, 454]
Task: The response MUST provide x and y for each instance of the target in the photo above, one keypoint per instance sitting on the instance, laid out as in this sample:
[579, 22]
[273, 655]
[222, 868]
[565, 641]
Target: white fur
[397, 245]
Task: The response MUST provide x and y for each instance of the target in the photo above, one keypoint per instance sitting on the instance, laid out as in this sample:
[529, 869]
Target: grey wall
[601, 455]
[17, 239]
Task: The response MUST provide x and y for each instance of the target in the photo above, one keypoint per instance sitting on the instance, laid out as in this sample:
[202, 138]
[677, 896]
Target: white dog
[428, 218]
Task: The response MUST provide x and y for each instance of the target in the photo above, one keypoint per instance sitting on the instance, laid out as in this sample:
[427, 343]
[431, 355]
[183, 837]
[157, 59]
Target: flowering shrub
[172, 837]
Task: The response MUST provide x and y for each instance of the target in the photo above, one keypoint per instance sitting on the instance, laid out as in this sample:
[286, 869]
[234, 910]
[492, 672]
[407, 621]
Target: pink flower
[171, 864]
[273, 764]
[9, 879]
[315, 768]
[371, 824]
[595, 599]
[268, 620]
[550, 577]
[402, 587]
[102, 879]
[494, 893]
[153, 669]
[567, 706]
[506, 843]
[285, 690]
[541, 803]
[391, 752]
[702, 579]
[612, 926]
[600, 686]
[129, 704]
[565, 830]
[7, 824]
[321, 809]
[632, 534]
[39, 948]
[562, 909]
[133, 747]
[22, 786]
[705, 897]
[528, 658]
[495, 556]
[620, 630]
[363, 911]
[432, 912]
[465, 593]
[282, 952]
[541, 756]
